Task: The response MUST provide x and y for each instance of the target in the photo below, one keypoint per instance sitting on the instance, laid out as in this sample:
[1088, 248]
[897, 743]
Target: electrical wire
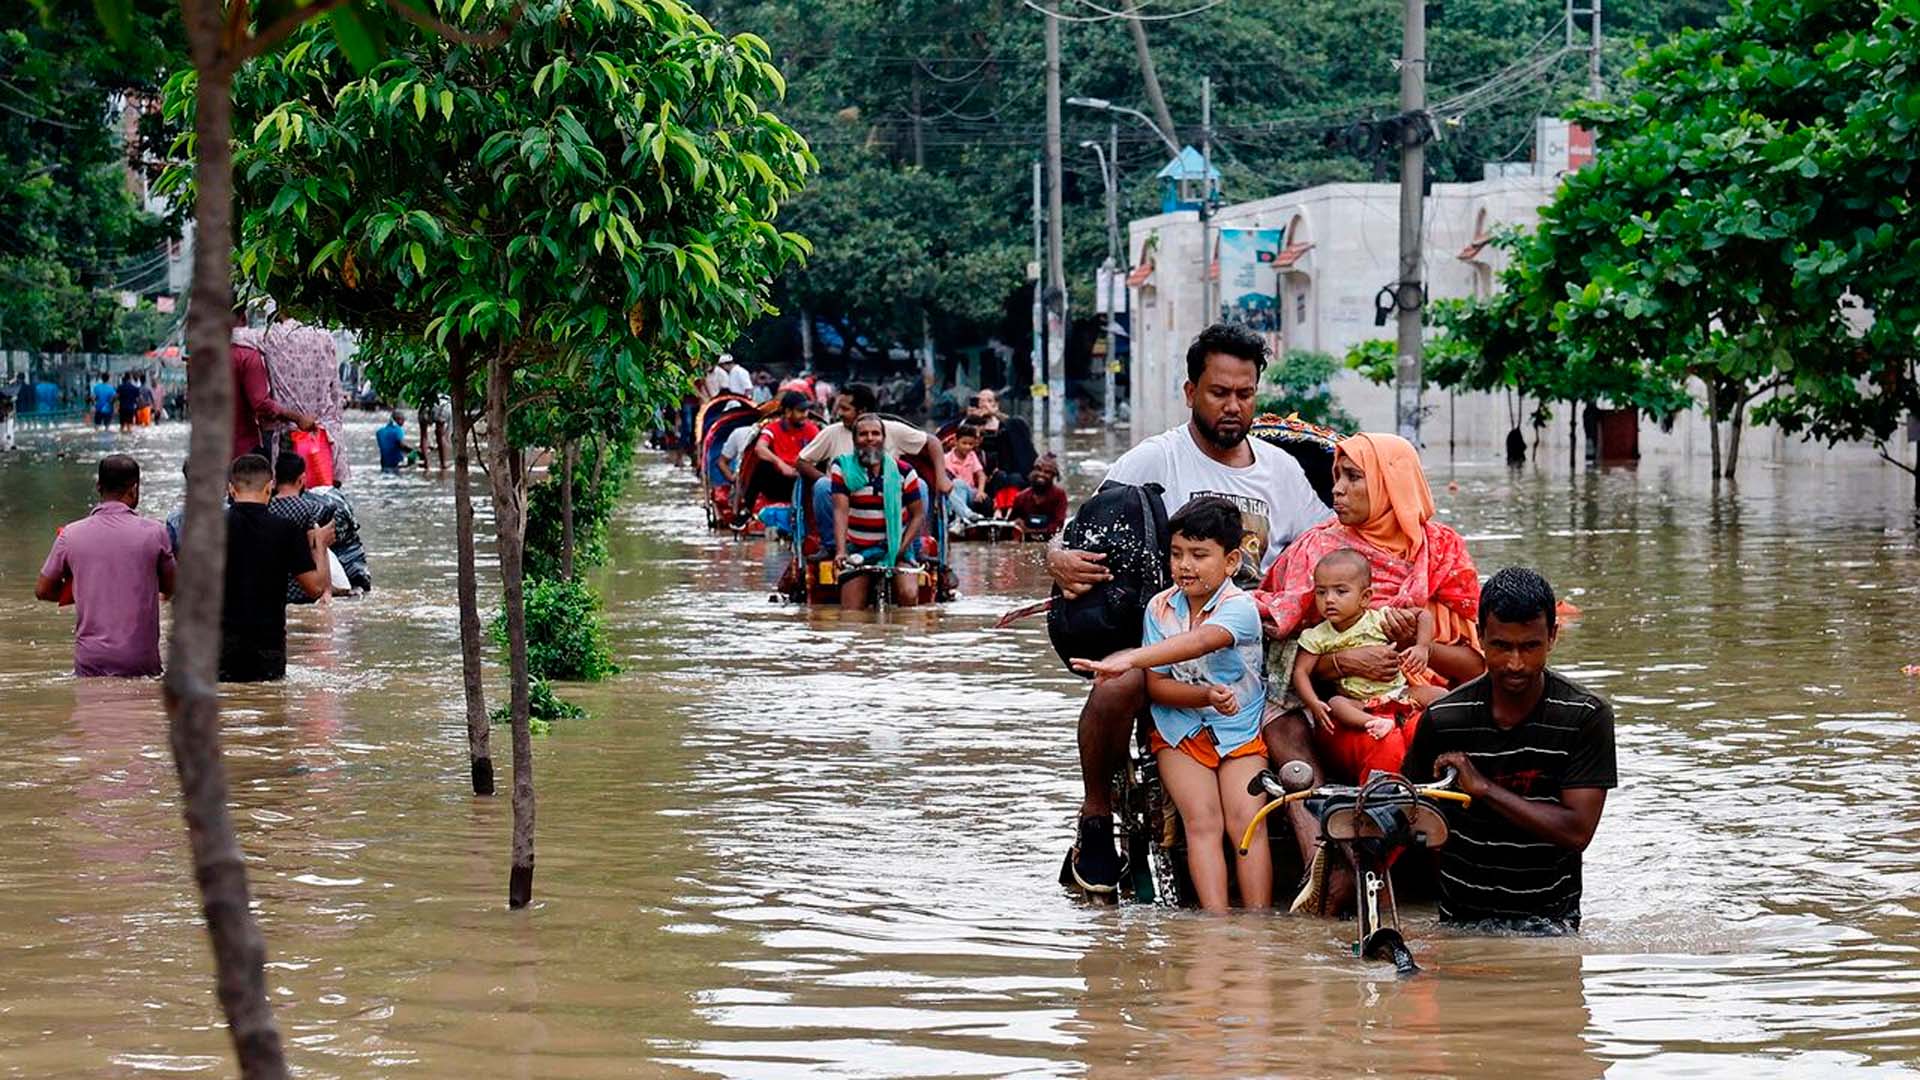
[1135, 16]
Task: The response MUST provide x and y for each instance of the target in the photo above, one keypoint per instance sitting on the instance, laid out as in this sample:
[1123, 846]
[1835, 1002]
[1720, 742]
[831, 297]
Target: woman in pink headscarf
[1383, 509]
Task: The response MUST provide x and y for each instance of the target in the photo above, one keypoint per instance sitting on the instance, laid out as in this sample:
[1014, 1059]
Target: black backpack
[1129, 524]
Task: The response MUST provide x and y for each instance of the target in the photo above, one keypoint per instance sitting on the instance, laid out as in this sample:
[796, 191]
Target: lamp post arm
[1172, 147]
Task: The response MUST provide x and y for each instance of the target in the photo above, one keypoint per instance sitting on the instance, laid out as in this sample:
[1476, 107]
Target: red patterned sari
[1417, 563]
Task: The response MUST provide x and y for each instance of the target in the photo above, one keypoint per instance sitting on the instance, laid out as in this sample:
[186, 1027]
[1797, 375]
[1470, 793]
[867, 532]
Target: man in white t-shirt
[728, 377]
[1209, 455]
[836, 439]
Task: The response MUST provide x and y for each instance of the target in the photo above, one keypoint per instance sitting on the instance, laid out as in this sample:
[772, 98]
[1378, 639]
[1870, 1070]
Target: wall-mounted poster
[1248, 290]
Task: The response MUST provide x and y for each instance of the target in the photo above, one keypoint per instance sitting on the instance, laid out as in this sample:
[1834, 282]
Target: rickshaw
[717, 419]
[812, 578]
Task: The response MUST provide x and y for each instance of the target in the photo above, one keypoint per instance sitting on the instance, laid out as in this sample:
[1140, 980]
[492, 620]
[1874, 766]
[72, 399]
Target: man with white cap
[728, 377]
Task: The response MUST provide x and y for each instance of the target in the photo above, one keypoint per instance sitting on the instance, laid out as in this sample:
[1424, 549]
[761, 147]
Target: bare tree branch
[1895, 462]
[434, 25]
[274, 33]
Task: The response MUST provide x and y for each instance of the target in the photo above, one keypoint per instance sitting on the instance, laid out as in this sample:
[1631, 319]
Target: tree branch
[434, 25]
[1771, 384]
[277, 31]
[1895, 462]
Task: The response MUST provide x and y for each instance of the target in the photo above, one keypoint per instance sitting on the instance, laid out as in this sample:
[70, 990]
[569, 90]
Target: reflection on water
[814, 844]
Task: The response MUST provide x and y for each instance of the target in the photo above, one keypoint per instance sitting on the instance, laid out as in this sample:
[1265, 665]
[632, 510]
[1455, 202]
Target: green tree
[951, 90]
[1745, 225]
[1300, 384]
[586, 209]
[222, 36]
[72, 236]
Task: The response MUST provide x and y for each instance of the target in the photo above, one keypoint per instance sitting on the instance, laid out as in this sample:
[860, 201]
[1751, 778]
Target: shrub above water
[565, 639]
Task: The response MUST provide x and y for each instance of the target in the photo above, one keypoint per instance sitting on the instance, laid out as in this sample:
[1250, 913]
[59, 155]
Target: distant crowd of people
[292, 536]
[286, 544]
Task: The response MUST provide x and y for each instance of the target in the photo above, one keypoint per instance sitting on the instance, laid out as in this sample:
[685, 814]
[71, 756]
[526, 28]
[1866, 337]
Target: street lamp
[1103, 105]
[1111, 181]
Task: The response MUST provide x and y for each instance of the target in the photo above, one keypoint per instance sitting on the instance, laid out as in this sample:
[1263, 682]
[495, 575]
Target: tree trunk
[599, 461]
[479, 752]
[1573, 436]
[806, 338]
[1150, 78]
[191, 687]
[568, 454]
[510, 531]
[1736, 426]
[1713, 424]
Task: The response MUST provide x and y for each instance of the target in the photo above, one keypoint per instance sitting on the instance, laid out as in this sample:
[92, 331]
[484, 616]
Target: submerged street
[793, 843]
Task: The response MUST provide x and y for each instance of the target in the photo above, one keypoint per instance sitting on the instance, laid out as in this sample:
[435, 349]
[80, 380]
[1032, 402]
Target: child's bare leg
[1347, 712]
[1196, 792]
[1254, 870]
[853, 591]
[1424, 696]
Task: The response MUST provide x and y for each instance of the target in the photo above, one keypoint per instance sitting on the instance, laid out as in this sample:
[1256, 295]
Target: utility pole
[1114, 262]
[1595, 89]
[1409, 295]
[1110, 269]
[1038, 273]
[1207, 313]
[926, 323]
[1056, 368]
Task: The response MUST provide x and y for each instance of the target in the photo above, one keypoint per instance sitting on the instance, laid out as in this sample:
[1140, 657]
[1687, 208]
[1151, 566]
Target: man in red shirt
[1041, 509]
[777, 448]
[254, 411]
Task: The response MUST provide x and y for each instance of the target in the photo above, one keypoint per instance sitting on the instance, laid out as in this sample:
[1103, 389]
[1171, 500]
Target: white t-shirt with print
[1276, 502]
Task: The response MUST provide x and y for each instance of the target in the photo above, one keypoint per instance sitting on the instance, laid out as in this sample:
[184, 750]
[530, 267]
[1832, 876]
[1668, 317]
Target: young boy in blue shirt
[1202, 648]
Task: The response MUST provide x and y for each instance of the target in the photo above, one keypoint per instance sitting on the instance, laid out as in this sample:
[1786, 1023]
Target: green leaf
[419, 256]
[325, 253]
[446, 104]
[359, 39]
[116, 16]
[420, 101]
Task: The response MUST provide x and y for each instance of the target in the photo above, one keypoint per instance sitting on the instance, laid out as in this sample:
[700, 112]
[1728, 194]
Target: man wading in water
[1535, 750]
[1209, 455]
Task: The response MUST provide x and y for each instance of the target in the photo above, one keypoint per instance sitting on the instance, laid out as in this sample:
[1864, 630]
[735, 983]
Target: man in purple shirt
[120, 565]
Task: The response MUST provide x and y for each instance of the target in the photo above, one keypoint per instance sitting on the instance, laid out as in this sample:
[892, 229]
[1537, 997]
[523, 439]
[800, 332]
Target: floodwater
[793, 844]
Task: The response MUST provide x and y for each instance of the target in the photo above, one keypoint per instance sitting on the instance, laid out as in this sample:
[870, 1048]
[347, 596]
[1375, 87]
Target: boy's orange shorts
[1202, 749]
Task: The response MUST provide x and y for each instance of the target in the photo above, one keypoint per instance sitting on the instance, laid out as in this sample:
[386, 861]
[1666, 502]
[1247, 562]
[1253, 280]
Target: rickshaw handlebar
[1266, 782]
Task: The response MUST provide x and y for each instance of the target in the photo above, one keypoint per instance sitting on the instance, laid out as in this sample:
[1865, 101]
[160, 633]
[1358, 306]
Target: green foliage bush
[565, 639]
[1297, 384]
[544, 707]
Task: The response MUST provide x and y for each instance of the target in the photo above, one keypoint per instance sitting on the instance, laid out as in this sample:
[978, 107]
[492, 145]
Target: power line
[1111, 16]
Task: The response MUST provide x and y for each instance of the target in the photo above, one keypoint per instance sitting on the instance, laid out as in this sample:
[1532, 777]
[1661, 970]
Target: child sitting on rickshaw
[1202, 648]
[1369, 724]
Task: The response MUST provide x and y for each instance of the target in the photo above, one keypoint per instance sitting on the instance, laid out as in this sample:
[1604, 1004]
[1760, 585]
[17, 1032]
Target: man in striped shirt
[877, 513]
[1535, 750]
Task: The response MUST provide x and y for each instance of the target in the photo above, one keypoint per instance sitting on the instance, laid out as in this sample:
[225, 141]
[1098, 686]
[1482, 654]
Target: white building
[1339, 250]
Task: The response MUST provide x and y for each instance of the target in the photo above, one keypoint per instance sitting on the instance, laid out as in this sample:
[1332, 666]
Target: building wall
[1354, 230]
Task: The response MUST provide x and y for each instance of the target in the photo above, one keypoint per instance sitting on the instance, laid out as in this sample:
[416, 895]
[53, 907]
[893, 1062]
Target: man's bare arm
[1568, 823]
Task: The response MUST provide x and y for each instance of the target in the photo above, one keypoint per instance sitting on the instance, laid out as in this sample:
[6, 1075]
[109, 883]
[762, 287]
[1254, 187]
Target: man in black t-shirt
[1535, 750]
[262, 551]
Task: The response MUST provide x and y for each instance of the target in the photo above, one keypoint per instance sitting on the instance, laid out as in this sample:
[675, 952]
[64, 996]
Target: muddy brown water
[806, 845]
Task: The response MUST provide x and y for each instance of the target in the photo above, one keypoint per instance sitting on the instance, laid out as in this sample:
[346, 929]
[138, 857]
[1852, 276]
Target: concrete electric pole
[1038, 272]
[1209, 310]
[1056, 364]
[1409, 292]
[1109, 270]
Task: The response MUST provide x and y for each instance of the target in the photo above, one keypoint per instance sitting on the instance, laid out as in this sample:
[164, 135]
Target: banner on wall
[1248, 288]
